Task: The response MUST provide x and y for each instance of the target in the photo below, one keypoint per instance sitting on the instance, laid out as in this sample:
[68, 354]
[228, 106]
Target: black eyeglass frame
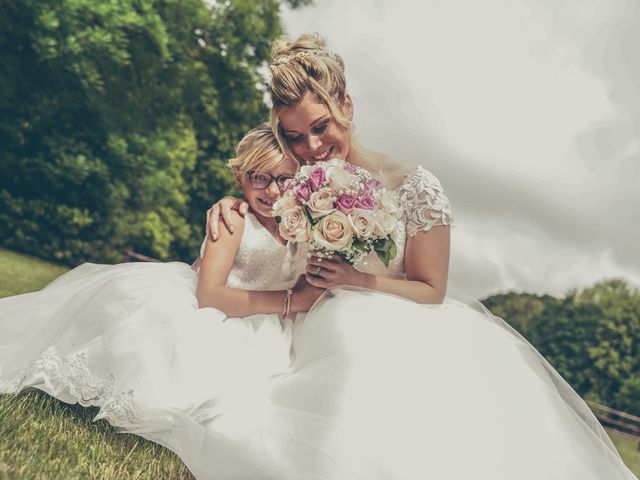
[280, 179]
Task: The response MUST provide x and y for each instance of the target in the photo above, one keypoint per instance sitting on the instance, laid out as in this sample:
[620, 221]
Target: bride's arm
[426, 263]
[224, 207]
[215, 267]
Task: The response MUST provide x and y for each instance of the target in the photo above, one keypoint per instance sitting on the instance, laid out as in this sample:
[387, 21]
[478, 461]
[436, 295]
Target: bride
[390, 377]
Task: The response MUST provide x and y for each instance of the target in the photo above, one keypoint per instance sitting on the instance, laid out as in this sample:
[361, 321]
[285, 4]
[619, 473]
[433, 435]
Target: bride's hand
[224, 207]
[304, 295]
[328, 272]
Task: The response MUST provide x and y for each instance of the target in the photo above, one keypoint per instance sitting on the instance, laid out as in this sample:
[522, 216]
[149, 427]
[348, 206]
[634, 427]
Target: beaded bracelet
[287, 304]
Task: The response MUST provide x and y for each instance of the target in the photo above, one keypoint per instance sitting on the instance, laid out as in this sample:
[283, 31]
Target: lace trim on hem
[72, 374]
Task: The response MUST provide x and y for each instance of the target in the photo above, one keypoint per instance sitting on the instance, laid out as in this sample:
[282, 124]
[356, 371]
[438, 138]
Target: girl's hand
[304, 295]
[224, 207]
[328, 272]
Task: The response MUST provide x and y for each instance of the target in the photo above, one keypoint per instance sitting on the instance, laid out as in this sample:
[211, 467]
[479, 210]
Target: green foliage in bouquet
[386, 249]
[116, 120]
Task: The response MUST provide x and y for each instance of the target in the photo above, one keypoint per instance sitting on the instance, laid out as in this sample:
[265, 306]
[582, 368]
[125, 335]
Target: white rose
[320, 203]
[389, 202]
[294, 225]
[385, 224]
[305, 170]
[339, 179]
[363, 222]
[287, 201]
[334, 232]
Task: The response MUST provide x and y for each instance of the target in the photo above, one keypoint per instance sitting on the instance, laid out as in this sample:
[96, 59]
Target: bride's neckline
[279, 240]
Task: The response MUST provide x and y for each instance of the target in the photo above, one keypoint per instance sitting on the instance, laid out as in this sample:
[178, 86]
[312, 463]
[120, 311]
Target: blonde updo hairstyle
[259, 149]
[305, 65]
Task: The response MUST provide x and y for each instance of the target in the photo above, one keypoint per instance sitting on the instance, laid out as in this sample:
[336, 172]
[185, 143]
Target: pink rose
[303, 192]
[350, 167]
[366, 202]
[373, 184]
[316, 179]
[346, 203]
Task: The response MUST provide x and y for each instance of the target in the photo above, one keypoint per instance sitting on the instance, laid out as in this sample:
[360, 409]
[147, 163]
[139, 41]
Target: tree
[628, 398]
[591, 336]
[517, 309]
[116, 119]
[564, 332]
[616, 349]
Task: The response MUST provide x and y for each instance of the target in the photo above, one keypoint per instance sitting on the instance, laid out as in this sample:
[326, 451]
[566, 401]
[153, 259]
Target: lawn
[629, 451]
[44, 439]
[20, 273]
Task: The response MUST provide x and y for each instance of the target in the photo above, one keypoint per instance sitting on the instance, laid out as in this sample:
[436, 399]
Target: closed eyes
[317, 130]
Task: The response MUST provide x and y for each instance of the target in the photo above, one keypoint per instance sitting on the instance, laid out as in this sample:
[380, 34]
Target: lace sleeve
[424, 203]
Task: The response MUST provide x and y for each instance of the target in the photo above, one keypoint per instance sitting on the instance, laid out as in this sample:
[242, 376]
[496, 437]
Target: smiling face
[261, 199]
[312, 132]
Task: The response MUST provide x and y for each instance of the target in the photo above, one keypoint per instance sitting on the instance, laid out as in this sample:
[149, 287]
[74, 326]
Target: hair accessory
[303, 53]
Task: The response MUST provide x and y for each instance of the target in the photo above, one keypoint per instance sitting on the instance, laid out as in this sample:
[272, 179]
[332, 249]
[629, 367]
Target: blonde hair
[305, 65]
[302, 66]
[258, 149]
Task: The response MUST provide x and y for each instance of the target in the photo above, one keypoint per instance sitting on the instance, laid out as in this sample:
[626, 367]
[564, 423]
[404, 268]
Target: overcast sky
[527, 111]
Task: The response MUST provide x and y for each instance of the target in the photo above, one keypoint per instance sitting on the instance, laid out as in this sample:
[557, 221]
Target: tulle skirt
[365, 386]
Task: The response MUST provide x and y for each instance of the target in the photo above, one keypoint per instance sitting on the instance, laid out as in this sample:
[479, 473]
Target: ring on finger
[318, 270]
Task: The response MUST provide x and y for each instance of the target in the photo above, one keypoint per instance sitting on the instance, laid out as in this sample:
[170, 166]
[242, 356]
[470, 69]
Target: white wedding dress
[365, 386]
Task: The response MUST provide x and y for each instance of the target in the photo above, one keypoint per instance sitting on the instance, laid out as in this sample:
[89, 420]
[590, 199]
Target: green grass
[21, 274]
[44, 439]
[629, 451]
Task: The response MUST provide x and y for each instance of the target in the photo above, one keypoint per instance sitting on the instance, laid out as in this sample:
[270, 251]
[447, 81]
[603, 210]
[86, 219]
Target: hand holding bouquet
[337, 207]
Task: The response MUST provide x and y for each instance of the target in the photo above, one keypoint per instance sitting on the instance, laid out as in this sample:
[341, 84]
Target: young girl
[262, 260]
[159, 349]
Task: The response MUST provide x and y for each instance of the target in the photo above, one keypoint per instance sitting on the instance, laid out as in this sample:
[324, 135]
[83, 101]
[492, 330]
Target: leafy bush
[591, 336]
[116, 119]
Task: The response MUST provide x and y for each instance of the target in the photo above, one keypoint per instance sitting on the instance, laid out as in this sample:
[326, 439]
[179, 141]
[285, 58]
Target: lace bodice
[262, 263]
[424, 206]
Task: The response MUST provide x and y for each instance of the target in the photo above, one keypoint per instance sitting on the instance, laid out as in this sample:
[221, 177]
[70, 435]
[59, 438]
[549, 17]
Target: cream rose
[363, 222]
[320, 203]
[340, 180]
[305, 170]
[385, 224]
[334, 232]
[294, 225]
[284, 203]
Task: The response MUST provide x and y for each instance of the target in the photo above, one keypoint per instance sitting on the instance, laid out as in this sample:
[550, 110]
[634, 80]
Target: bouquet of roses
[337, 207]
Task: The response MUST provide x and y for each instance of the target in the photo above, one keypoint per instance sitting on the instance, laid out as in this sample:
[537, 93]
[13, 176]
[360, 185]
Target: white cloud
[529, 112]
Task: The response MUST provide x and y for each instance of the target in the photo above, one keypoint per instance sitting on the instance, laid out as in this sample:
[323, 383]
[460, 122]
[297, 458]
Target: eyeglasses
[264, 179]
